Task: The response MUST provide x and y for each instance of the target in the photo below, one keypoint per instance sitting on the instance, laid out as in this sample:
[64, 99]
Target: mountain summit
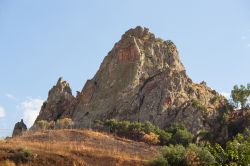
[141, 79]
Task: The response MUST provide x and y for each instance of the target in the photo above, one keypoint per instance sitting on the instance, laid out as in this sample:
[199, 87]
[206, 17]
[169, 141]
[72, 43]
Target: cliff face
[141, 79]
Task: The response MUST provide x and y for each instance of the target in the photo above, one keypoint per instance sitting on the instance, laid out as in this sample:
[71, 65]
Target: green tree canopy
[240, 95]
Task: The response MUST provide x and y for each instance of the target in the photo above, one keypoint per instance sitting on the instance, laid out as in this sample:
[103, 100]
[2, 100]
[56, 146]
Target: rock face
[19, 128]
[59, 104]
[141, 79]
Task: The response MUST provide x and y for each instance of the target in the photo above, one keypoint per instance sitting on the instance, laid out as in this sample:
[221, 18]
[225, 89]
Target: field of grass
[71, 147]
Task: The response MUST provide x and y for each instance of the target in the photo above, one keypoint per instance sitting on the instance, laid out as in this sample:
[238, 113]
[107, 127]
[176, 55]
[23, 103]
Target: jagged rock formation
[59, 104]
[141, 79]
[19, 128]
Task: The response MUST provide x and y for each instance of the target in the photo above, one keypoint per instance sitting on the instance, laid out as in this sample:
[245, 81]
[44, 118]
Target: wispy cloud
[226, 94]
[12, 97]
[248, 45]
[2, 112]
[30, 108]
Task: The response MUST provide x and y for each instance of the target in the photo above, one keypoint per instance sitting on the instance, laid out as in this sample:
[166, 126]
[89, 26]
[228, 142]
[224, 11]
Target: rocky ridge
[141, 79]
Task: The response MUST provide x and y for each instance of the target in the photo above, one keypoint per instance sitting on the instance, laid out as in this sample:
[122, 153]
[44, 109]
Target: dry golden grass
[7, 163]
[76, 147]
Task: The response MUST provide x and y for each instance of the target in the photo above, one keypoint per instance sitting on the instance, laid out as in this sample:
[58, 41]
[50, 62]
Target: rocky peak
[61, 89]
[141, 79]
[140, 45]
[59, 103]
[19, 128]
[139, 32]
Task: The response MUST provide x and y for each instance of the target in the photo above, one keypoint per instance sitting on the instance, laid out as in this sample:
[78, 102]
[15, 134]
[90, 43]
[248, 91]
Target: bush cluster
[235, 152]
[65, 123]
[147, 132]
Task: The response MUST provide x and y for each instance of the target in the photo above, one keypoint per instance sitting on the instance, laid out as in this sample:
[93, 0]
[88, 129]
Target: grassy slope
[74, 147]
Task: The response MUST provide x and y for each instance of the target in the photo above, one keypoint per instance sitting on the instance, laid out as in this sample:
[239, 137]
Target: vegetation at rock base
[235, 152]
[42, 124]
[147, 132]
[138, 131]
[65, 123]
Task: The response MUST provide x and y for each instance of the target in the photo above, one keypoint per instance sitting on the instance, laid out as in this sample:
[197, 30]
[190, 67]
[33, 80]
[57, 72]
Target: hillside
[74, 148]
[141, 92]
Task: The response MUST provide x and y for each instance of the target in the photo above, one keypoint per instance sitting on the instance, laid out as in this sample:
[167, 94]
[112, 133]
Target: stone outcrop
[141, 79]
[19, 128]
[59, 104]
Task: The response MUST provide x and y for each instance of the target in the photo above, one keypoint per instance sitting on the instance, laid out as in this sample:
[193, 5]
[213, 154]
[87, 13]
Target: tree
[240, 95]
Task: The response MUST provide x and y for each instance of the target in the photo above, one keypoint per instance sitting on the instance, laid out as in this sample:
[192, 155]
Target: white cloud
[226, 94]
[2, 112]
[30, 108]
[248, 45]
[12, 97]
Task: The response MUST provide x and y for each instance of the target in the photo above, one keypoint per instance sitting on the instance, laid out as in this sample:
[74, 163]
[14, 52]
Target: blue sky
[42, 40]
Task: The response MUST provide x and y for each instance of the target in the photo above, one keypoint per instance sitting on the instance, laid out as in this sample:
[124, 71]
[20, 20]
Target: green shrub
[175, 155]
[137, 130]
[65, 123]
[176, 134]
[158, 162]
[180, 134]
[183, 137]
[198, 156]
[112, 124]
[27, 152]
[236, 151]
[165, 137]
[43, 124]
